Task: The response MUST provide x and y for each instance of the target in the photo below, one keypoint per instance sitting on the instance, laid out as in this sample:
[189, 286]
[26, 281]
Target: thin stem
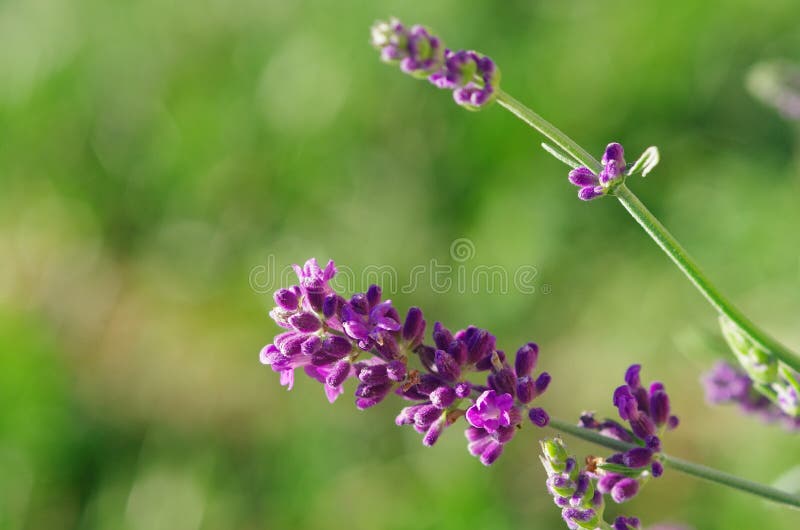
[656, 231]
[686, 264]
[689, 468]
[549, 130]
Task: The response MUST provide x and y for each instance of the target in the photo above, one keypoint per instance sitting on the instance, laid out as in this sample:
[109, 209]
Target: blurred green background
[161, 160]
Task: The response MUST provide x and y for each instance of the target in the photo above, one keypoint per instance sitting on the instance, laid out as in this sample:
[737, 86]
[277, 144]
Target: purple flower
[725, 384]
[491, 411]
[418, 51]
[594, 185]
[626, 523]
[580, 492]
[473, 77]
[334, 340]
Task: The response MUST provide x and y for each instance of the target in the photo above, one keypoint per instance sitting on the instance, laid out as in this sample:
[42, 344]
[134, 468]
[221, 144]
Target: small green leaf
[561, 156]
[649, 159]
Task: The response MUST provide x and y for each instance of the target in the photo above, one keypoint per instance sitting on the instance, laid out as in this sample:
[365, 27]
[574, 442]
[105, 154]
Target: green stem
[686, 264]
[549, 130]
[656, 231]
[689, 468]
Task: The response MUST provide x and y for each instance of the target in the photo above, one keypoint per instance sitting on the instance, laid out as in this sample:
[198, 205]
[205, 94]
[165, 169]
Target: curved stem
[686, 264]
[689, 468]
[656, 231]
[548, 130]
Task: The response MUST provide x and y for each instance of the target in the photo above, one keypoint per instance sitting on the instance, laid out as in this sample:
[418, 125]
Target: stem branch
[656, 231]
[689, 468]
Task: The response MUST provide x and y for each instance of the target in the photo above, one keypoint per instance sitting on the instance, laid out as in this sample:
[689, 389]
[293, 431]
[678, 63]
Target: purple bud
[526, 359]
[414, 326]
[305, 322]
[463, 389]
[578, 515]
[659, 405]
[371, 394]
[433, 432]
[637, 457]
[396, 371]
[286, 299]
[292, 346]
[315, 293]
[642, 426]
[365, 403]
[583, 177]
[504, 382]
[336, 346]
[359, 303]
[331, 305]
[373, 295]
[657, 468]
[426, 415]
[624, 490]
[441, 336]
[539, 417]
[614, 152]
[491, 453]
[459, 351]
[582, 486]
[588, 193]
[269, 354]
[311, 345]
[355, 328]
[374, 374]
[480, 345]
[653, 443]
[632, 378]
[542, 382]
[443, 397]
[623, 399]
[446, 366]
[406, 416]
[338, 374]
[672, 422]
[607, 482]
[626, 523]
[525, 390]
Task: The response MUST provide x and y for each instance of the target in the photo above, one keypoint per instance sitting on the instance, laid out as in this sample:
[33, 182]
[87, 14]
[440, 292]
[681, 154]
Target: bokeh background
[162, 162]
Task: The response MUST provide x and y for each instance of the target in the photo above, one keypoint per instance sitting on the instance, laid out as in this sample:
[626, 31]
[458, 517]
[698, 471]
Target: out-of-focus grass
[156, 157]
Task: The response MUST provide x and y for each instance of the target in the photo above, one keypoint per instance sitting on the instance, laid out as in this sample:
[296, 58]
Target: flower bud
[526, 359]
[338, 374]
[539, 417]
[624, 490]
[443, 397]
[286, 299]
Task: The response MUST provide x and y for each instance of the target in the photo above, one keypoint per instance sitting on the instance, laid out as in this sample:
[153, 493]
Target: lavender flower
[364, 338]
[648, 415]
[491, 411]
[592, 185]
[579, 492]
[724, 384]
[770, 377]
[473, 77]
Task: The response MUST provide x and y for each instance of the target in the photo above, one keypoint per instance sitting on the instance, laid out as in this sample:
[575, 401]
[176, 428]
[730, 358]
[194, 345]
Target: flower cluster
[333, 339]
[725, 384]
[647, 412]
[594, 185]
[473, 77]
[578, 491]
